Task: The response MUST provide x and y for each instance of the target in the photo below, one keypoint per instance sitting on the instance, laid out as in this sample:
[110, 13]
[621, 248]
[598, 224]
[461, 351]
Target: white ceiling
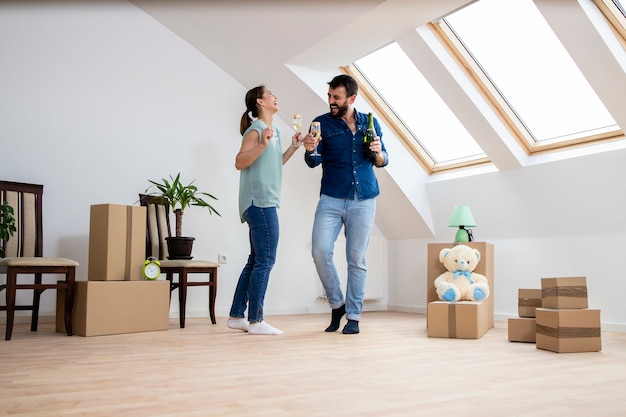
[252, 40]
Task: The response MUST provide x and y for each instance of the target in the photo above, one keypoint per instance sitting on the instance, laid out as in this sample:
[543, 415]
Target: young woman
[260, 161]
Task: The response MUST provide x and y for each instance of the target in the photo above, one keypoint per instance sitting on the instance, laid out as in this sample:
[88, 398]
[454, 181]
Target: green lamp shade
[462, 218]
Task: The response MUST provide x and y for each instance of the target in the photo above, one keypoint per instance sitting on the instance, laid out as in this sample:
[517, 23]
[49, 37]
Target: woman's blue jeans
[357, 217]
[252, 284]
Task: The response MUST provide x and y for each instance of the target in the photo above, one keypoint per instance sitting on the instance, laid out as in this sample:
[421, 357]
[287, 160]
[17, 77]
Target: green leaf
[179, 195]
[7, 224]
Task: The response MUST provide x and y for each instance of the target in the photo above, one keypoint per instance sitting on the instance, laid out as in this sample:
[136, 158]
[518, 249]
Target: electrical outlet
[222, 258]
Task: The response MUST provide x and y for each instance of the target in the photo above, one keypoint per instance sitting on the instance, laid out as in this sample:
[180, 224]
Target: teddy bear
[459, 282]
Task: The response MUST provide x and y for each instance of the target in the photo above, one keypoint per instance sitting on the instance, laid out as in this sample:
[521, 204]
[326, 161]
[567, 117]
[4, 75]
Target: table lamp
[462, 218]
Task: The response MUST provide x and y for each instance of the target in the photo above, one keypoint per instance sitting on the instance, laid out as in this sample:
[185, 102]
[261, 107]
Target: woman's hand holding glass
[296, 140]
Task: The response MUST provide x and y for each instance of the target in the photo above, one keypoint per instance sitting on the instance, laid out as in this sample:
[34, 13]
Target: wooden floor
[390, 369]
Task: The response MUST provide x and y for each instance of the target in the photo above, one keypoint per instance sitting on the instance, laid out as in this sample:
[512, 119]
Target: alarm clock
[151, 268]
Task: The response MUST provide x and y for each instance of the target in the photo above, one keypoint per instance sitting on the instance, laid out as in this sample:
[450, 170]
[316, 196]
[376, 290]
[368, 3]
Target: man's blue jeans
[252, 284]
[357, 217]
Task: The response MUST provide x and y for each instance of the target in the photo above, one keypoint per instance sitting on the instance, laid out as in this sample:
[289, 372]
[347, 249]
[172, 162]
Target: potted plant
[7, 225]
[179, 197]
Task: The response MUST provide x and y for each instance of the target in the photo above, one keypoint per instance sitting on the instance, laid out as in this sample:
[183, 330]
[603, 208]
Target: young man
[347, 198]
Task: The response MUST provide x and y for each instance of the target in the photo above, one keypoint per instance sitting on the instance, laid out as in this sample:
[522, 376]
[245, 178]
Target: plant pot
[179, 247]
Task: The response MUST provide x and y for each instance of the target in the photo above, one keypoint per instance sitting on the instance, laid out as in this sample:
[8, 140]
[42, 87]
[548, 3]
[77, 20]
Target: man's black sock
[336, 316]
[352, 327]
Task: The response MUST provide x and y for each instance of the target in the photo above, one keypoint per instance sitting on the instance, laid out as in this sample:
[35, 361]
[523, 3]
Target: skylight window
[530, 74]
[619, 5]
[519, 65]
[424, 116]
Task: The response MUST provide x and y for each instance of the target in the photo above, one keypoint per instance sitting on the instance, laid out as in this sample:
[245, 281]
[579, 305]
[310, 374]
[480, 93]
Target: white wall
[561, 218]
[97, 99]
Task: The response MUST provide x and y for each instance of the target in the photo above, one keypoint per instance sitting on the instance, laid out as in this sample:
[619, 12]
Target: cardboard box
[528, 301]
[115, 307]
[568, 330]
[564, 292]
[117, 242]
[484, 267]
[522, 329]
[460, 320]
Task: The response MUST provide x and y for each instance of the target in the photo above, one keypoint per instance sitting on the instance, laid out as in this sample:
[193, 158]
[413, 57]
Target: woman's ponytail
[251, 107]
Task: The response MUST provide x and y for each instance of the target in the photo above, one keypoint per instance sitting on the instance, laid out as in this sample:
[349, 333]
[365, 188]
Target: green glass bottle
[370, 134]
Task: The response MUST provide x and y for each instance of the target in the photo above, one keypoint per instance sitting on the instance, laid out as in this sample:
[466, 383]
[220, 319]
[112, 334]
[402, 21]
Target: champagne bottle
[370, 134]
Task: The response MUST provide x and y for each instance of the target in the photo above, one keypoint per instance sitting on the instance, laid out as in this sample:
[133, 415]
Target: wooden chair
[24, 256]
[158, 228]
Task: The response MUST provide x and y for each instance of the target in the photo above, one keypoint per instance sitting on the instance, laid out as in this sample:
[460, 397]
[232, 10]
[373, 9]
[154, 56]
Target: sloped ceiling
[249, 38]
[267, 42]
[257, 42]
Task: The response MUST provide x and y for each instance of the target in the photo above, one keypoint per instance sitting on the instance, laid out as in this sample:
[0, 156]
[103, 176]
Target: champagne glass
[297, 126]
[297, 123]
[316, 131]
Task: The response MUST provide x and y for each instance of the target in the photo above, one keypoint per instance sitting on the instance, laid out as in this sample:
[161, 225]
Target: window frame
[446, 36]
[507, 115]
[615, 18]
[410, 142]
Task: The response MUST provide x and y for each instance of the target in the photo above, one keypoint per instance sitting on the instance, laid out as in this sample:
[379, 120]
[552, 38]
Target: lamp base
[463, 235]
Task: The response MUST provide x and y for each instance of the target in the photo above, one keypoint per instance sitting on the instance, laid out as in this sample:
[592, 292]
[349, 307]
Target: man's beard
[341, 111]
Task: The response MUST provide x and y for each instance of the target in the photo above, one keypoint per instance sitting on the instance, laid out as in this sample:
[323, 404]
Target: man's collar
[354, 116]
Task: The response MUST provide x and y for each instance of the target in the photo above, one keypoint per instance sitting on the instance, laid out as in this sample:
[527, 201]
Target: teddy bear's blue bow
[467, 273]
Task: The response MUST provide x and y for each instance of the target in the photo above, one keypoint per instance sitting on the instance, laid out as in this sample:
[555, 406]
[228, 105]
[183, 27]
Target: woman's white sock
[238, 324]
[263, 328]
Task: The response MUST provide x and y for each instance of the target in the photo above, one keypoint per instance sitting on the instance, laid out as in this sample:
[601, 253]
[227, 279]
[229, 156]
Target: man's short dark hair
[343, 80]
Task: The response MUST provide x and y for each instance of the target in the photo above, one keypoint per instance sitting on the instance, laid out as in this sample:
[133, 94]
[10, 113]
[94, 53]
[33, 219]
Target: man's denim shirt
[346, 172]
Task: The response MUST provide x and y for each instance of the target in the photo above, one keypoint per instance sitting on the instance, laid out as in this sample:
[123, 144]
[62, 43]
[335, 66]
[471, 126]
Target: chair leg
[11, 288]
[34, 320]
[182, 297]
[70, 279]
[212, 292]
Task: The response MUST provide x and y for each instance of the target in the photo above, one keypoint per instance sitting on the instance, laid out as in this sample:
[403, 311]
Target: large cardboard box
[484, 267]
[564, 292]
[117, 242]
[460, 320]
[528, 300]
[115, 307]
[568, 330]
[522, 329]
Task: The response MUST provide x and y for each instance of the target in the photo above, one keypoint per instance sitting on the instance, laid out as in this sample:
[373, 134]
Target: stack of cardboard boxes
[116, 298]
[523, 328]
[563, 323]
[462, 319]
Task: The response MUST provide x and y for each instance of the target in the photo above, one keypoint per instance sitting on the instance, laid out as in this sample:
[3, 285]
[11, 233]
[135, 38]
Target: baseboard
[323, 309]
[406, 309]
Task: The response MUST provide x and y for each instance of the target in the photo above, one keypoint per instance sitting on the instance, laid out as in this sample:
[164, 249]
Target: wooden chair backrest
[158, 225]
[26, 200]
